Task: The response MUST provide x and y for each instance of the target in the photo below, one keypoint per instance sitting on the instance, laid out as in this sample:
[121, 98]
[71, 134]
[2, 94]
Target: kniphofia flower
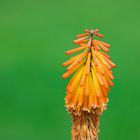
[87, 91]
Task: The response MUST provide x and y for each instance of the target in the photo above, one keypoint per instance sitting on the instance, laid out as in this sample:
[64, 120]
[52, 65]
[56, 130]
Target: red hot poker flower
[87, 91]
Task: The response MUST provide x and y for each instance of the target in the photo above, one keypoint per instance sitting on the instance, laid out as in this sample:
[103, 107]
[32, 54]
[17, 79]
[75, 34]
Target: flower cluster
[87, 91]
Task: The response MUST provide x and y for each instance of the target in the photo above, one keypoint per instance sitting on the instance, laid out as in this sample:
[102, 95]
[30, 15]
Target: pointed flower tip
[63, 77]
[112, 84]
[114, 66]
[66, 53]
[64, 64]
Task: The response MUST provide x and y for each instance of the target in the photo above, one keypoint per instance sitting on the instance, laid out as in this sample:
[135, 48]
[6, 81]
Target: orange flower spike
[88, 64]
[76, 49]
[87, 91]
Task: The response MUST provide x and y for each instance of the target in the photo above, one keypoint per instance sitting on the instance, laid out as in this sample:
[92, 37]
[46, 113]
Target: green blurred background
[34, 34]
